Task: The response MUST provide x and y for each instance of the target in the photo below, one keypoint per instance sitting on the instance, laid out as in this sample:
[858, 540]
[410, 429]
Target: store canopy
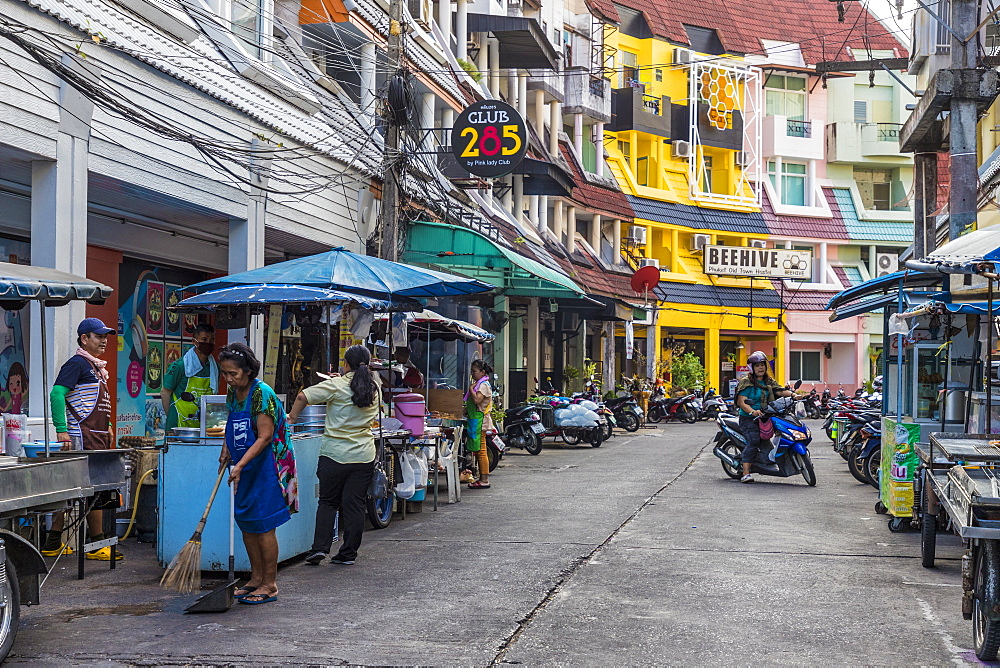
[523, 43]
[598, 308]
[21, 283]
[473, 254]
[544, 178]
[867, 306]
[343, 270]
[438, 326]
[285, 294]
[882, 284]
[964, 255]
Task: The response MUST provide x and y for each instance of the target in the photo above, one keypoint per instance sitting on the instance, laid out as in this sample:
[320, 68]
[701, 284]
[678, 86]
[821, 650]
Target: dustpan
[221, 598]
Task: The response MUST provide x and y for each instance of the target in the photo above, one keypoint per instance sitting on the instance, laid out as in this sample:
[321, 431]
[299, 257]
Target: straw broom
[184, 572]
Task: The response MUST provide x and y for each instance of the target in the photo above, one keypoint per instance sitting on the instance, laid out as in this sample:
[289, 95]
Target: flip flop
[478, 485]
[260, 598]
[246, 591]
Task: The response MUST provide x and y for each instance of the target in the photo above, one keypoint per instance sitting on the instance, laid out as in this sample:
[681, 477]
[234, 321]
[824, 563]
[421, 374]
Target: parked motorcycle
[785, 455]
[677, 408]
[712, 405]
[523, 427]
[627, 412]
[866, 457]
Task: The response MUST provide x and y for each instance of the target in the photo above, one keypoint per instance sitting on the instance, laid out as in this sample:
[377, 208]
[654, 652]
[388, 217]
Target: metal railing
[801, 129]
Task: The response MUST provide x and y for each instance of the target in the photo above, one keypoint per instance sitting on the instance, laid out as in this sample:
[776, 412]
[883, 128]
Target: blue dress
[260, 500]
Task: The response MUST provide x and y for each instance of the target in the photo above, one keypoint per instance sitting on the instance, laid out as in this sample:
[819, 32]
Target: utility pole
[962, 198]
[389, 246]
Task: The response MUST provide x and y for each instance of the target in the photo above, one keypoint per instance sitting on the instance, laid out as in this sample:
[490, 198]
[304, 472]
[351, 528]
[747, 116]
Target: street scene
[460, 332]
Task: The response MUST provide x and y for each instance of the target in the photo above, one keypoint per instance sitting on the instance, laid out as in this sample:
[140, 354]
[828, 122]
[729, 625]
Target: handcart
[961, 476]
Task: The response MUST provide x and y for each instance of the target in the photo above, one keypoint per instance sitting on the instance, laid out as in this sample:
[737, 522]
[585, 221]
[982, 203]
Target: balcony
[551, 83]
[864, 143]
[792, 139]
[587, 94]
[631, 109]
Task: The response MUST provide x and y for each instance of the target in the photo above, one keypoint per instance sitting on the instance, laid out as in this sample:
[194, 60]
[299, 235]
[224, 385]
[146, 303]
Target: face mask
[206, 347]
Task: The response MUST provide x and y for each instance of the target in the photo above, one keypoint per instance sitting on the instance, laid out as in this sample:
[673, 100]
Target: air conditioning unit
[421, 11]
[886, 263]
[681, 149]
[637, 235]
[649, 262]
[758, 243]
[742, 158]
[683, 55]
[699, 241]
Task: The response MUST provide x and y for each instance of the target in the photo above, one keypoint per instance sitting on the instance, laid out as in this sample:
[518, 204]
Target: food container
[187, 434]
[409, 409]
[316, 412]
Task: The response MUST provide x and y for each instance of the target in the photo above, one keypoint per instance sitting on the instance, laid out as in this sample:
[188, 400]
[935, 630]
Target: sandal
[479, 485]
[246, 591]
[257, 599]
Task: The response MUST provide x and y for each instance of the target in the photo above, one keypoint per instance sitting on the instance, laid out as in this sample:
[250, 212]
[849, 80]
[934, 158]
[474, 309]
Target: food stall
[339, 280]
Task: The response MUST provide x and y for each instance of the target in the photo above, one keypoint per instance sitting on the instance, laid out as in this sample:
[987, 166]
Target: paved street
[640, 552]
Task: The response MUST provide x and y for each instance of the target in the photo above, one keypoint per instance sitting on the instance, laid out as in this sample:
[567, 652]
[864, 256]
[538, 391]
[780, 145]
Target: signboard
[899, 463]
[765, 262]
[489, 139]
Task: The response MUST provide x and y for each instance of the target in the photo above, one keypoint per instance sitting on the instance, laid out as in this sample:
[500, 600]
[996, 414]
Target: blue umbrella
[288, 294]
[341, 269]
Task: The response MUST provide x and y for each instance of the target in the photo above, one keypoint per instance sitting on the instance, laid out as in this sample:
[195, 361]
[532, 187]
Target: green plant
[570, 374]
[471, 70]
[497, 414]
[686, 369]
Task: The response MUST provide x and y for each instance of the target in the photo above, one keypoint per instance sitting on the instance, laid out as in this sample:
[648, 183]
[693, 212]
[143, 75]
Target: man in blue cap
[81, 413]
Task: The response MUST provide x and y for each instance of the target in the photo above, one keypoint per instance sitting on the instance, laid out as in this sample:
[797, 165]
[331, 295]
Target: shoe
[104, 554]
[315, 558]
[341, 562]
[747, 478]
[55, 552]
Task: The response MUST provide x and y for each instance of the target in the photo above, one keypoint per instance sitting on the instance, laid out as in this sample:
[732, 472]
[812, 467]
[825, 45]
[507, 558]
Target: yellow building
[684, 146]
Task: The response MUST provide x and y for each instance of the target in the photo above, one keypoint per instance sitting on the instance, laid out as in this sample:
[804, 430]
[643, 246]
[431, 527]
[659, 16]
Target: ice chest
[409, 408]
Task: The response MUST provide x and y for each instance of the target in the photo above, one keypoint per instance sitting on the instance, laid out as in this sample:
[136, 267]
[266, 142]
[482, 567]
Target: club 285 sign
[489, 139]
[766, 262]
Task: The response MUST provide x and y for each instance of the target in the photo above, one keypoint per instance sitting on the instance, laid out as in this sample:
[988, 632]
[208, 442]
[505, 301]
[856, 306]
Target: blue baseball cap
[93, 326]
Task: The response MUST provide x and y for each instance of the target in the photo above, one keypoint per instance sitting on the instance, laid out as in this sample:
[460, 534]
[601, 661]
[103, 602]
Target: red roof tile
[806, 300]
[604, 9]
[741, 24]
[593, 196]
[805, 226]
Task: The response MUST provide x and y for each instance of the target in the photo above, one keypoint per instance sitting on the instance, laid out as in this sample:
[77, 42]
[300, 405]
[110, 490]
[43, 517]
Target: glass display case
[930, 369]
[213, 416]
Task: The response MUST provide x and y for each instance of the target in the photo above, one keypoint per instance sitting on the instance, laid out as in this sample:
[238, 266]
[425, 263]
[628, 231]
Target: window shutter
[861, 111]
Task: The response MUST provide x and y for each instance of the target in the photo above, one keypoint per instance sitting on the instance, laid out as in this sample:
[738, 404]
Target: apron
[187, 411]
[95, 427]
[474, 424]
[259, 502]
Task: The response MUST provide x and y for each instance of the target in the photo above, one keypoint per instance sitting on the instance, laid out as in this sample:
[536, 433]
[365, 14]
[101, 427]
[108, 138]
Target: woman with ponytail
[478, 402]
[346, 455]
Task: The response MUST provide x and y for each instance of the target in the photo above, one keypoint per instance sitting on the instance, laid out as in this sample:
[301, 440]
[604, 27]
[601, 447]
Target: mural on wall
[153, 338]
[14, 337]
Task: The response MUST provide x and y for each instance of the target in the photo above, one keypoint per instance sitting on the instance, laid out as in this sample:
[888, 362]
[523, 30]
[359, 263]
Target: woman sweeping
[262, 473]
[478, 402]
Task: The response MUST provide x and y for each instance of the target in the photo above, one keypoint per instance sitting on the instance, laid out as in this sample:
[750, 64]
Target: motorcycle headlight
[798, 435]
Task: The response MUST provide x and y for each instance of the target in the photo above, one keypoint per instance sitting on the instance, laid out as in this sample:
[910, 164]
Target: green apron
[187, 411]
[474, 424]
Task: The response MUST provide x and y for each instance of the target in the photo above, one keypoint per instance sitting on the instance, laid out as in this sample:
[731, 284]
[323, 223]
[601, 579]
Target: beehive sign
[489, 139]
[746, 261]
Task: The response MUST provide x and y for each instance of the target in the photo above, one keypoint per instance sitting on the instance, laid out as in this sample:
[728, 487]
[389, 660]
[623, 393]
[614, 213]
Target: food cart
[32, 487]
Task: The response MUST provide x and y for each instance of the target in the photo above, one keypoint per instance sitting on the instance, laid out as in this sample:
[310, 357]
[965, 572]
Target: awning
[20, 283]
[471, 253]
[544, 178]
[964, 255]
[599, 308]
[882, 284]
[867, 306]
[286, 294]
[523, 44]
[430, 323]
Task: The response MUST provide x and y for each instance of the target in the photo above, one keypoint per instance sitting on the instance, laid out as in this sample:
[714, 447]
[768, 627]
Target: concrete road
[639, 552]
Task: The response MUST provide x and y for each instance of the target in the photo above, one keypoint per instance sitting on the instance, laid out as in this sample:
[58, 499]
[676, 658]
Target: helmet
[877, 382]
[756, 357]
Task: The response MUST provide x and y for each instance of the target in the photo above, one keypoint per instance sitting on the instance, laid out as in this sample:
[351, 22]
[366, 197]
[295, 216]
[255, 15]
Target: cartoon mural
[13, 353]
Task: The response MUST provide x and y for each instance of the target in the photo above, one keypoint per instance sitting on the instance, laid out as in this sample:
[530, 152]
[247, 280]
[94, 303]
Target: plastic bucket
[409, 408]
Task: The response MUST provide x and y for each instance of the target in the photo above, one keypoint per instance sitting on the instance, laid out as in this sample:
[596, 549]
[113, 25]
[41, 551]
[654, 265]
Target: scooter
[785, 455]
[678, 409]
[712, 405]
[522, 427]
[866, 458]
[627, 412]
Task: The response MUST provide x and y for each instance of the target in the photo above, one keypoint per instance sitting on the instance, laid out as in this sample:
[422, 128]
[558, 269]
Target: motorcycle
[813, 405]
[786, 454]
[712, 405]
[866, 458]
[678, 408]
[522, 426]
[627, 412]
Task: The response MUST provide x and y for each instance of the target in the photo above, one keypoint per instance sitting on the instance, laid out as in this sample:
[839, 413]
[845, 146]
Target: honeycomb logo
[719, 89]
[795, 262]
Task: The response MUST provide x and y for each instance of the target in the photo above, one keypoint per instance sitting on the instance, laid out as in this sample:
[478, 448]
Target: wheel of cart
[379, 511]
[986, 599]
[928, 518]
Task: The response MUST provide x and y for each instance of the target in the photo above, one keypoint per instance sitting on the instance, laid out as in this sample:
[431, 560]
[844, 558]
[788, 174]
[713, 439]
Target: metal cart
[960, 475]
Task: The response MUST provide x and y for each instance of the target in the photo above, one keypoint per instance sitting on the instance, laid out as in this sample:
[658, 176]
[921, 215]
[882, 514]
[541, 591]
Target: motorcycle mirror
[798, 384]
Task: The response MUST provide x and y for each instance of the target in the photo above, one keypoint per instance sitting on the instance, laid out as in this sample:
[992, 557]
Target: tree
[685, 369]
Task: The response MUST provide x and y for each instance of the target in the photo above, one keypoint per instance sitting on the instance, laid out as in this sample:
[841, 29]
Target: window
[659, 74]
[642, 171]
[626, 149]
[589, 156]
[706, 175]
[790, 184]
[249, 24]
[805, 365]
[630, 69]
[875, 187]
[785, 96]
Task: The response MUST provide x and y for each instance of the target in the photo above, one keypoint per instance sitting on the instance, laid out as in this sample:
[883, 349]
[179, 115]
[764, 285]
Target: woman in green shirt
[346, 454]
[753, 393]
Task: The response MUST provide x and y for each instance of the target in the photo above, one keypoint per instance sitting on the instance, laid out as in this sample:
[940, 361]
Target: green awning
[468, 252]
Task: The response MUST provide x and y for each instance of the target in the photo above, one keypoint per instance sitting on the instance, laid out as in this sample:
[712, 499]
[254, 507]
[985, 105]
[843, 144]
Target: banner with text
[765, 262]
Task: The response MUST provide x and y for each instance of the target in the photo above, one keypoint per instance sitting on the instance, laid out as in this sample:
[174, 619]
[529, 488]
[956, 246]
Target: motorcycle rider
[753, 393]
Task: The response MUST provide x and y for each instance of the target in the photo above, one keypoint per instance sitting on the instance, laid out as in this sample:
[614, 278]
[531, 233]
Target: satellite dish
[645, 279]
